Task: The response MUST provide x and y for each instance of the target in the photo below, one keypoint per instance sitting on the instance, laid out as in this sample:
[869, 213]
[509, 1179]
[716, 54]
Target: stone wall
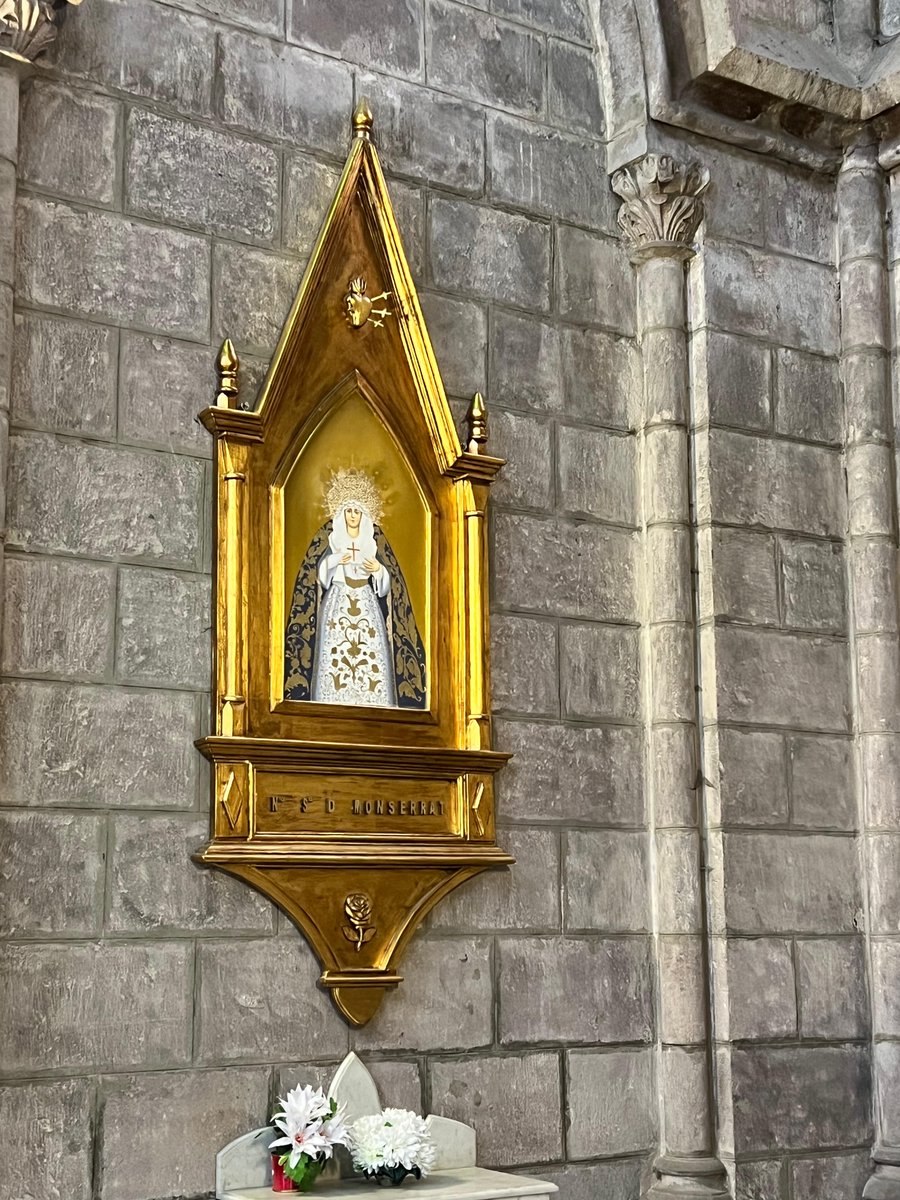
[696, 953]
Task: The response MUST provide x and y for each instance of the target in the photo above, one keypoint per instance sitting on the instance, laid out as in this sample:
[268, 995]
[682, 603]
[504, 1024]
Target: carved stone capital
[661, 208]
[28, 27]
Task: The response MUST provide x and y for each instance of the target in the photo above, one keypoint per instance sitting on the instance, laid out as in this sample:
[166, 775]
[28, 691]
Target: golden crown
[348, 486]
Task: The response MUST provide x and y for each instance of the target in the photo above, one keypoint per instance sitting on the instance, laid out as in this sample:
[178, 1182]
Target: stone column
[872, 565]
[25, 32]
[659, 218]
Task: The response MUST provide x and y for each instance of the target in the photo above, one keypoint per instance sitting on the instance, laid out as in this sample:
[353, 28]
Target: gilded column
[873, 632]
[659, 217]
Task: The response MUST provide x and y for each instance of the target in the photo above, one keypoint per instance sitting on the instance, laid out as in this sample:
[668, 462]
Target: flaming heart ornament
[360, 307]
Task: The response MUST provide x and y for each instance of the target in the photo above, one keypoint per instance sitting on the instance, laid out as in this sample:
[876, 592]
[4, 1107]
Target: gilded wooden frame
[355, 821]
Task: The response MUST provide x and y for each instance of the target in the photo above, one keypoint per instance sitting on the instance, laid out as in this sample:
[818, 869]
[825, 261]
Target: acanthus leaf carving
[661, 202]
[28, 27]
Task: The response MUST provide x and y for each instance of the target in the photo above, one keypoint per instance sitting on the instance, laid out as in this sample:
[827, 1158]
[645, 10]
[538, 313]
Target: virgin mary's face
[352, 517]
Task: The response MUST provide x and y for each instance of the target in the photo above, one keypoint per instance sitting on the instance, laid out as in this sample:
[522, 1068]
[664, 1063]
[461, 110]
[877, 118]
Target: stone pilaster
[872, 565]
[26, 30]
[659, 218]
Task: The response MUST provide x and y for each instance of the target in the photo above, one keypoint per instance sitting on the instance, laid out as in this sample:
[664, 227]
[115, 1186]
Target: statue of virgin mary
[351, 635]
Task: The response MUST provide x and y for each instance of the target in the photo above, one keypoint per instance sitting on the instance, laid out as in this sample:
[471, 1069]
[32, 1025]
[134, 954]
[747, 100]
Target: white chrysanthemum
[395, 1137]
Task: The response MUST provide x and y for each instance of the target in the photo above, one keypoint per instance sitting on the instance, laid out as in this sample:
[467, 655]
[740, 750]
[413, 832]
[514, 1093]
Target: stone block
[52, 873]
[526, 366]
[248, 1003]
[77, 498]
[602, 377]
[777, 484]
[812, 585]
[513, 1103]
[884, 882]
[284, 93]
[560, 773]
[807, 396]
[568, 18]
[599, 672]
[446, 1000]
[822, 783]
[524, 674]
[672, 658]
[832, 988]
[574, 88]
[57, 618]
[491, 254]
[674, 770]
[426, 135]
[815, 1096]
[129, 273]
[573, 569]
[678, 875]
[488, 60]
[886, 1068]
[866, 379]
[881, 764]
[613, 1180]
[186, 174]
[101, 1006]
[163, 385]
[163, 629]
[759, 1180]
[739, 381]
[398, 1083]
[732, 207]
[870, 470]
[308, 188]
[682, 1003]
[863, 316]
[772, 678]
[68, 143]
[144, 49]
[549, 173]
[64, 376]
[526, 444]
[91, 746]
[831, 1178]
[886, 987]
[574, 990]
[872, 567]
[155, 888]
[607, 882]
[783, 883]
[598, 474]
[790, 300]
[47, 1131]
[384, 33]
[524, 898]
[611, 1105]
[458, 331]
[878, 673]
[745, 585]
[595, 281]
[800, 213]
[264, 16]
[253, 291]
[762, 1001]
[752, 778]
[176, 1154]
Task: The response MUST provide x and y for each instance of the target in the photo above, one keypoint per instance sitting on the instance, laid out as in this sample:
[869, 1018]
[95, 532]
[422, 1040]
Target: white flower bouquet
[311, 1125]
[390, 1145]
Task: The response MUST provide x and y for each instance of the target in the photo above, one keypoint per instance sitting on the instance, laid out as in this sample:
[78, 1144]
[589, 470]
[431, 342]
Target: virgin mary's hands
[372, 565]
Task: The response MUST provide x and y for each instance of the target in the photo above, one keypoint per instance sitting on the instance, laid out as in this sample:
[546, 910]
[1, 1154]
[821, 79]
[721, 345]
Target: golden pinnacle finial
[227, 365]
[363, 120]
[476, 419]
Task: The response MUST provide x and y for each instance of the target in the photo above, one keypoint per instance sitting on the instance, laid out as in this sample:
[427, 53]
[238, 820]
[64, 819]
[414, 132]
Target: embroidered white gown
[353, 660]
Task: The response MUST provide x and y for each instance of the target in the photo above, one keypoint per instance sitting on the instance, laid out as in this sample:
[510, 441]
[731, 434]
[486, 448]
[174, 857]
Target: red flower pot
[280, 1181]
